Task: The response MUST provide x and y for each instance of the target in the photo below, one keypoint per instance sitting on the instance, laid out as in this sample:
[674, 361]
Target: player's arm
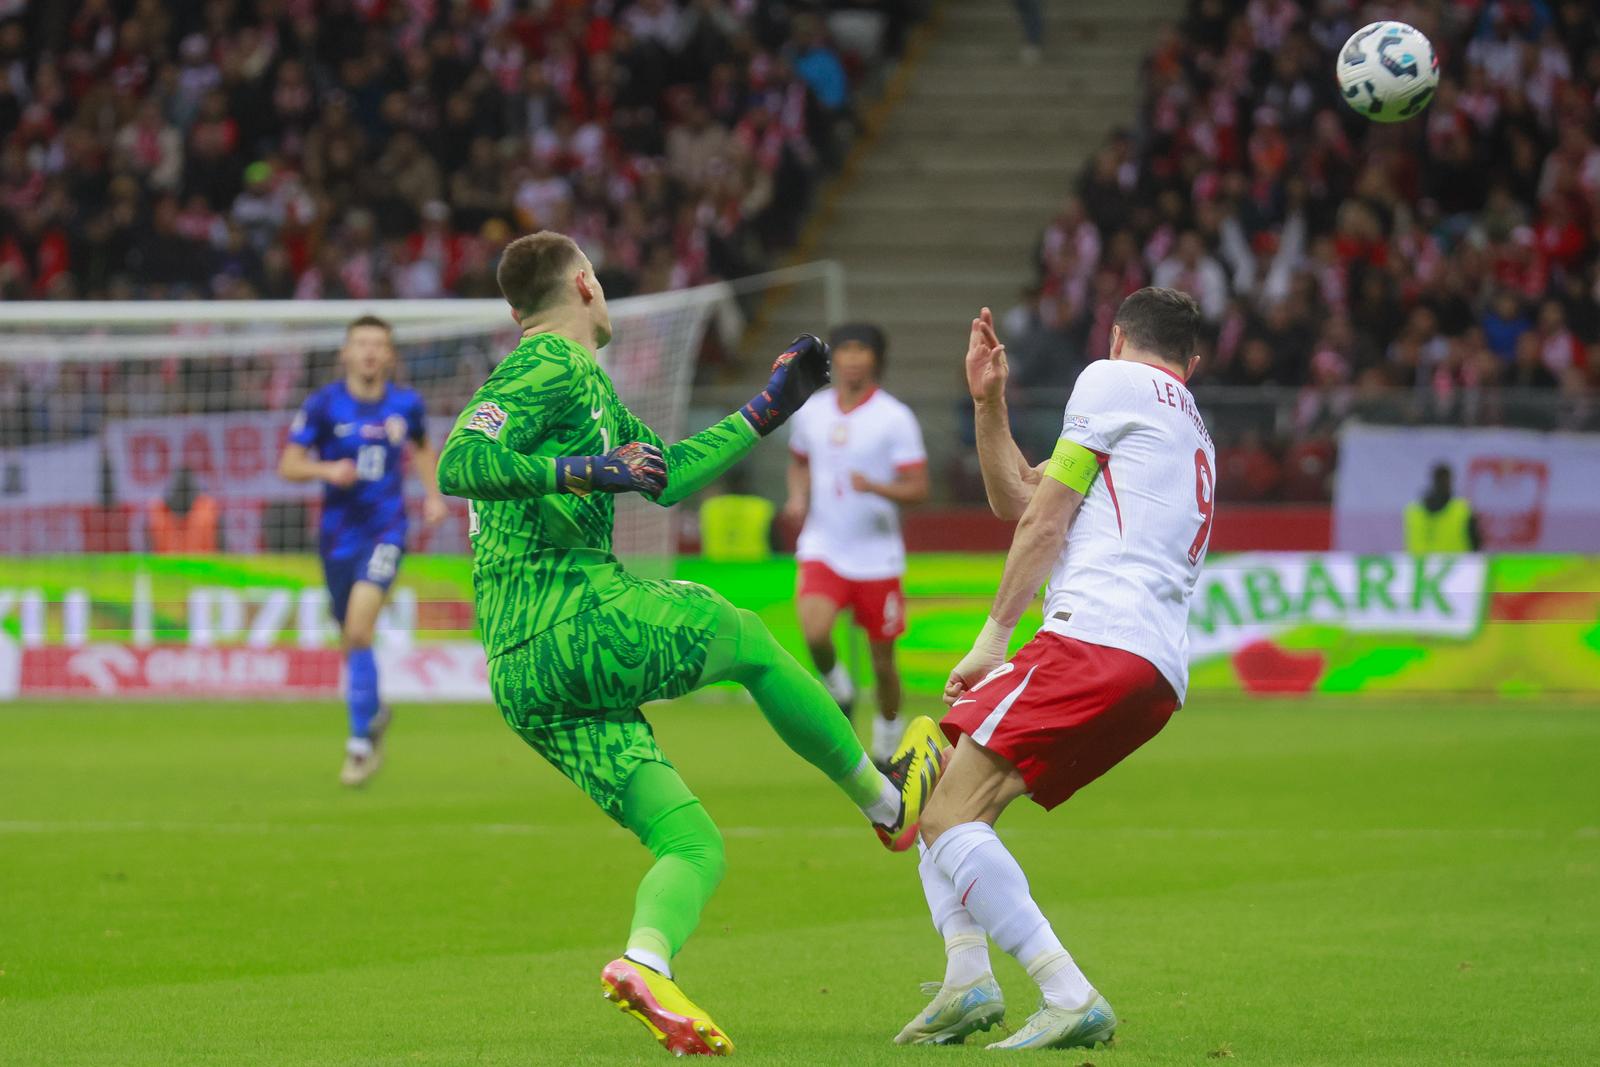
[798, 480]
[908, 486]
[1040, 536]
[297, 463]
[696, 462]
[425, 462]
[488, 453]
[1008, 481]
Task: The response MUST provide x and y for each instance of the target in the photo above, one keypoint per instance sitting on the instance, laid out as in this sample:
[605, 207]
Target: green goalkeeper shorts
[573, 692]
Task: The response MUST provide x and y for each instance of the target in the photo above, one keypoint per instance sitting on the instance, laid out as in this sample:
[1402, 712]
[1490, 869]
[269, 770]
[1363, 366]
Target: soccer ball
[1388, 71]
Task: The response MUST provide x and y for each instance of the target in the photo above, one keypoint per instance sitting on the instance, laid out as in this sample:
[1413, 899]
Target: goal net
[156, 426]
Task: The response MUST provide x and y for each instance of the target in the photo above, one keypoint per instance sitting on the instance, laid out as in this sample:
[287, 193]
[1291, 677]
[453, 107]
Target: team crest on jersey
[489, 419]
[394, 427]
[839, 434]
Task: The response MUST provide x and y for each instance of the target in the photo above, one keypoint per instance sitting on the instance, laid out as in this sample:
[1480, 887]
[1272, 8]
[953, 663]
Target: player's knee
[714, 856]
[357, 635]
[700, 842]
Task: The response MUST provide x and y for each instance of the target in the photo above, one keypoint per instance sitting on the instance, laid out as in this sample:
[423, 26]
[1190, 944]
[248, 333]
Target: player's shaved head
[1163, 322]
[534, 270]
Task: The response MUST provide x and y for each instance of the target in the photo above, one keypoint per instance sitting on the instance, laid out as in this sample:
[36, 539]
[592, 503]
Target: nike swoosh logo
[968, 700]
[968, 893]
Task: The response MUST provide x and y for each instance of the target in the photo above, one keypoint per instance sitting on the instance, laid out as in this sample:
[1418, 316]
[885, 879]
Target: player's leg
[1056, 717]
[989, 885]
[672, 823]
[741, 649]
[820, 596]
[880, 611]
[614, 758]
[371, 577]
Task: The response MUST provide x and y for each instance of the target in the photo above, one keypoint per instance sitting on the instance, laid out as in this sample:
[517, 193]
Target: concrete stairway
[940, 213]
[939, 210]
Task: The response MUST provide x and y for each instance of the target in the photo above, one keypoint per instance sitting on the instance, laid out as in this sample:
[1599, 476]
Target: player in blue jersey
[358, 429]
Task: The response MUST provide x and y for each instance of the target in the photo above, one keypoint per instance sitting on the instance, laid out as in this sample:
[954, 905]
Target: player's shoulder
[889, 402]
[325, 396]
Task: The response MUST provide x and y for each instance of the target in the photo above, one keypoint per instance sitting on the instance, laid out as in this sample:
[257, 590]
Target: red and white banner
[178, 671]
[42, 475]
[231, 456]
[453, 670]
[1532, 492]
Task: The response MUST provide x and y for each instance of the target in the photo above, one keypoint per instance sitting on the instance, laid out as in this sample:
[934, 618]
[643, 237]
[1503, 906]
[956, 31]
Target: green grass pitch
[1266, 883]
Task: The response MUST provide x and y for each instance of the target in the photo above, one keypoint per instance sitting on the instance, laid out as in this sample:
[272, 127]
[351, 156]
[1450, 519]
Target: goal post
[114, 415]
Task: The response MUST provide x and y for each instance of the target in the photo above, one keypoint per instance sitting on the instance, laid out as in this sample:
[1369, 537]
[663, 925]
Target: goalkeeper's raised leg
[576, 644]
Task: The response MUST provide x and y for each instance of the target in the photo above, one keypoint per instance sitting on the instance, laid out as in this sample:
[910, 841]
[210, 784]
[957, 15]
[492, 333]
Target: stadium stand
[362, 148]
[1437, 271]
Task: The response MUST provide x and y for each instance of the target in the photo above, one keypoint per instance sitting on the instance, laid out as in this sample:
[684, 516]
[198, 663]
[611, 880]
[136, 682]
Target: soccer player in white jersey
[1118, 520]
[856, 457]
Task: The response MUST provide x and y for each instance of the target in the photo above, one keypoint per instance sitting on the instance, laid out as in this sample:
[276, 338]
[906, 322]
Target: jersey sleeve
[307, 425]
[1098, 412]
[697, 461]
[907, 449]
[487, 455]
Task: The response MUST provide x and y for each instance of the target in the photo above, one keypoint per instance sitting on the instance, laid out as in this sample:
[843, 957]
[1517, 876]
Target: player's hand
[988, 652]
[974, 667]
[861, 483]
[434, 509]
[636, 467]
[799, 372]
[986, 361]
[341, 473]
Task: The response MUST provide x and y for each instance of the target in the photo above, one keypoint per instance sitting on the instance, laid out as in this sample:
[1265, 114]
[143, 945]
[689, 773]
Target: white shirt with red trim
[1139, 539]
[856, 534]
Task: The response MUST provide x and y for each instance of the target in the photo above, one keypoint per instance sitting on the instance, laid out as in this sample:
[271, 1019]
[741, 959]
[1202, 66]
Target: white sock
[649, 959]
[966, 949]
[1061, 982]
[885, 738]
[358, 746]
[839, 684]
[992, 887]
[884, 811]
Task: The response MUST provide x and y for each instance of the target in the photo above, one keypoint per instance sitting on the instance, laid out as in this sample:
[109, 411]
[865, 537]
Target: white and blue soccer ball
[1388, 71]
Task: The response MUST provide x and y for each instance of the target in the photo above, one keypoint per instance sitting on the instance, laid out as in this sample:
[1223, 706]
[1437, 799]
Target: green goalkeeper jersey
[540, 556]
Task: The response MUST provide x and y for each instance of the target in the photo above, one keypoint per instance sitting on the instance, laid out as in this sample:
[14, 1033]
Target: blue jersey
[373, 434]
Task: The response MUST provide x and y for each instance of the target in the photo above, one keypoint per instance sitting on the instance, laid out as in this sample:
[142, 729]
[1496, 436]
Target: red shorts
[1064, 712]
[878, 605]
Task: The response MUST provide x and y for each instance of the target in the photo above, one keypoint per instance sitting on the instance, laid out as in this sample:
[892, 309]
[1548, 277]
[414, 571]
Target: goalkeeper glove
[799, 372]
[636, 467]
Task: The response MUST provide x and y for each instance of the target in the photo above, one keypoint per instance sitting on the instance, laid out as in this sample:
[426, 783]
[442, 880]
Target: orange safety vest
[194, 533]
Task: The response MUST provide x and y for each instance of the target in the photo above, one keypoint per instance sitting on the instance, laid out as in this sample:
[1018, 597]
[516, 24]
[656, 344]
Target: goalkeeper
[576, 644]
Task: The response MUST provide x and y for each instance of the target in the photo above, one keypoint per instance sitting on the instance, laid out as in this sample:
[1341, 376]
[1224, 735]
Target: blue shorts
[376, 563]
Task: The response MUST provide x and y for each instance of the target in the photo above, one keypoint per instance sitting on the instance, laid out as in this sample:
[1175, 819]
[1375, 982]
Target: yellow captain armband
[1073, 466]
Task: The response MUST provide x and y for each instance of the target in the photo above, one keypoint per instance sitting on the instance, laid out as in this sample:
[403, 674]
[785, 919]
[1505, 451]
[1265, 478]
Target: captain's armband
[1073, 466]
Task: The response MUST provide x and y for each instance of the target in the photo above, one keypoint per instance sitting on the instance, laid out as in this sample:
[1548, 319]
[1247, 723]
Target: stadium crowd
[368, 148]
[1444, 269]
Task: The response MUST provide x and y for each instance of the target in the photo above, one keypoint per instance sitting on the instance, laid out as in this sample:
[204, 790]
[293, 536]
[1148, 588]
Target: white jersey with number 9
[1135, 549]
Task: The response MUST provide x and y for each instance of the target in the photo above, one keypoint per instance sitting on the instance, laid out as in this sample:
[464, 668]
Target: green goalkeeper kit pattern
[573, 692]
[542, 556]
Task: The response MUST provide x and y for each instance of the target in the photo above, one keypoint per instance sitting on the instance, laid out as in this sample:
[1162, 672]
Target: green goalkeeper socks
[658, 807]
[795, 703]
